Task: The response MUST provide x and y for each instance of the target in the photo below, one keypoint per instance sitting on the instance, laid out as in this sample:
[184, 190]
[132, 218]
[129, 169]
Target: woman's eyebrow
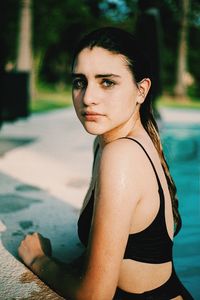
[81, 75]
[106, 75]
[74, 75]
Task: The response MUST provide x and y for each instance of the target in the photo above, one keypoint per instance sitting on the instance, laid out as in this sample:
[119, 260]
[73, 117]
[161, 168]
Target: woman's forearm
[56, 276]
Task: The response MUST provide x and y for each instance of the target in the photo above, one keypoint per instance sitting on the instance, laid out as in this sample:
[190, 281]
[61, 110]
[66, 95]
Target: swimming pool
[182, 148]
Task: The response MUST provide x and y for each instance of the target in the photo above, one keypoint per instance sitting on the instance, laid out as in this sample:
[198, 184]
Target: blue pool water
[182, 149]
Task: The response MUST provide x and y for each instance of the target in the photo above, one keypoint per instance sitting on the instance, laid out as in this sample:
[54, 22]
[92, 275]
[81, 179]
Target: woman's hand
[32, 247]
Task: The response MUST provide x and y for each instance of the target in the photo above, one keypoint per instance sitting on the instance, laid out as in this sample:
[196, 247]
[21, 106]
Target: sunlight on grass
[49, 98]
[169, 101]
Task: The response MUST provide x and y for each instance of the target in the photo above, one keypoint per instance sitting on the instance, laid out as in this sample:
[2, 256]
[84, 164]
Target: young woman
[130, 213]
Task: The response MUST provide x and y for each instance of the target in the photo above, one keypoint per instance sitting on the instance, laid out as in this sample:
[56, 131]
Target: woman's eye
[108, 83]
[79, 84]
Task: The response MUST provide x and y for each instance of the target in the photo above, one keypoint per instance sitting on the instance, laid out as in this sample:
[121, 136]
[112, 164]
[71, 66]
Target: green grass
[169, 101]
[48, 98]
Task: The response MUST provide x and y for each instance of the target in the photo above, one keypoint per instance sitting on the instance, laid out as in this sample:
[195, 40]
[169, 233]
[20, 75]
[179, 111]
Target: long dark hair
[121, 42]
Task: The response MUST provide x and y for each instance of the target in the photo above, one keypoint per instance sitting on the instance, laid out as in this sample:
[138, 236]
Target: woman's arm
[117, 194]
[35, 251]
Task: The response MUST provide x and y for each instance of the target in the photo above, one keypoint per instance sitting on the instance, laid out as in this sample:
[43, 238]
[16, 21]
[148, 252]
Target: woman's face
[104, 93]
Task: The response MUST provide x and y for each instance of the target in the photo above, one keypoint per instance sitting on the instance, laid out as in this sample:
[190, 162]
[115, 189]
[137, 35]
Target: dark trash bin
[15, 95]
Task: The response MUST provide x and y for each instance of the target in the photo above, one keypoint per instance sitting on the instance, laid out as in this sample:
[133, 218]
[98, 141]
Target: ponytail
[151, 127]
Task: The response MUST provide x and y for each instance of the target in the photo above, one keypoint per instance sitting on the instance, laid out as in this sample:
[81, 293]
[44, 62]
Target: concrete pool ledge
[17, 280]
[44, 173]
[20, 214]
[42, 185]
[19, 283]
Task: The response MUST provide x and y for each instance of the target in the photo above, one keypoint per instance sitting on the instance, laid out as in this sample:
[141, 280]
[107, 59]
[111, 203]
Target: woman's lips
[91, 116]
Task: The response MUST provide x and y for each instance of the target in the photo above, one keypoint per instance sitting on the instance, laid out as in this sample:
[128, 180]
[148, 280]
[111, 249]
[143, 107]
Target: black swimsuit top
[151, 245]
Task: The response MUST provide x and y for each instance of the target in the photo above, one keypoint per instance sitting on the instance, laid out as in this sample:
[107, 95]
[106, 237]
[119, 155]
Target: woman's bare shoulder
[122, 164]
[124, 151]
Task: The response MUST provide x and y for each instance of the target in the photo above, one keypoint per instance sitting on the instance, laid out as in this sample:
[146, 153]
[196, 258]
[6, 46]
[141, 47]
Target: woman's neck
[130, 128]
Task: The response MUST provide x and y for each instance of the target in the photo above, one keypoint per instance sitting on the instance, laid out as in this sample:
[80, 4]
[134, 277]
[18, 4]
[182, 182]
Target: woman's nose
[90, 95]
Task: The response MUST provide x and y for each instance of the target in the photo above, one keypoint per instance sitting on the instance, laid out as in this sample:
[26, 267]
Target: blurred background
[38, 37]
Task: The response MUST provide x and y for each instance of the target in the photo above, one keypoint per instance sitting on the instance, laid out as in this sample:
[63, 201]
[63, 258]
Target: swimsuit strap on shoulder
[158, 180]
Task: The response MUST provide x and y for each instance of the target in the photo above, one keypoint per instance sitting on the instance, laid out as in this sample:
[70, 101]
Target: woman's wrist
[40, 264]
[49, 272]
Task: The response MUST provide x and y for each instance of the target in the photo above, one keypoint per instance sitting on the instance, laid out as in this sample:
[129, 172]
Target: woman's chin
[92, 129]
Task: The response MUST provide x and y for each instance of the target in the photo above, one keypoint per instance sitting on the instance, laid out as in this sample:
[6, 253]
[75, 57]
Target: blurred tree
[8, 41]
[193, 49]
[24, 55]
[171, 19]
[169, 12]
[57, 25]
[94, 7]
[180, 89]
[148, 32]
[9, 32]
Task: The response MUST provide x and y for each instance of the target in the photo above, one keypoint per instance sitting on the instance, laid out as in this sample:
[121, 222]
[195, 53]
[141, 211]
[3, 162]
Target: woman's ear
[143, 89]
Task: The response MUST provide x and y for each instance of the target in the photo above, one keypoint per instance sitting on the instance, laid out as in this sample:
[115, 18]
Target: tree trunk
[24, 58]
[24, 55]
[180, 89]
